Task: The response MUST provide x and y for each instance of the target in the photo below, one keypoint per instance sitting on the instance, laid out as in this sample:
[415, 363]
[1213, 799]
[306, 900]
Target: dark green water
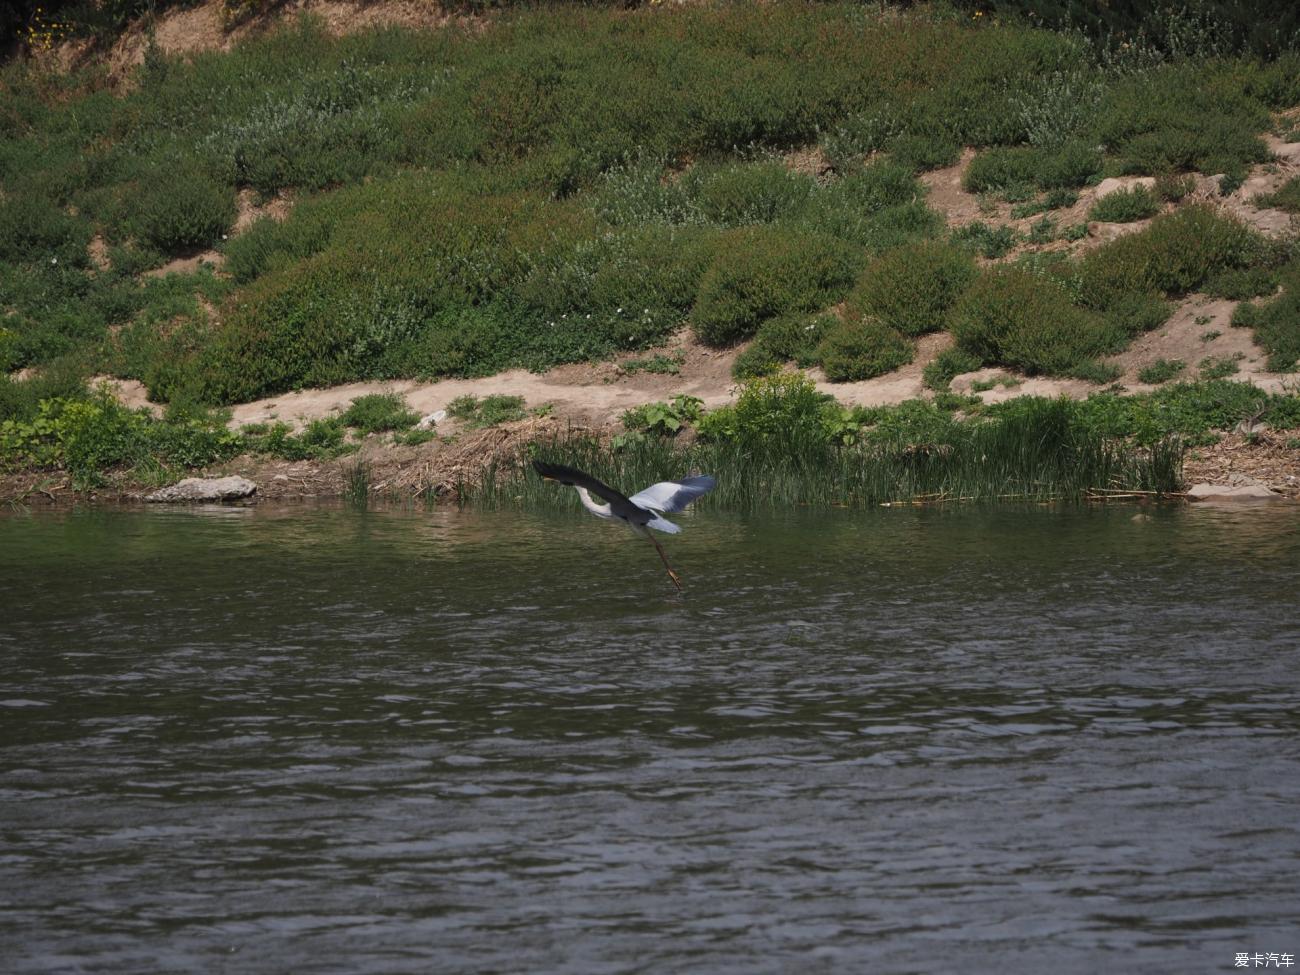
[311, 740]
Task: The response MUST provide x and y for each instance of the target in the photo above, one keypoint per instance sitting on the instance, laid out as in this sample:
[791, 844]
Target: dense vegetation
[571, 183]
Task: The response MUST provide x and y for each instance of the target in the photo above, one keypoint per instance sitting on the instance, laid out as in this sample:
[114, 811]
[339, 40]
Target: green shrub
[379, 412]
[182, 210]
[1015, 318]
[761, 272]
[1063, 167]
[1176, 254]
[664, 419]
[1172, 187]
[1161, 371]
[787, 337]
[911, 288]
[990, 242]
[1285, 197]
[487, 412]
[919, 152]
[1238, 284]
[741, 194]
[862, 348]
[1125, 206]
[1276, 325]
[772, 415]
[947, 365]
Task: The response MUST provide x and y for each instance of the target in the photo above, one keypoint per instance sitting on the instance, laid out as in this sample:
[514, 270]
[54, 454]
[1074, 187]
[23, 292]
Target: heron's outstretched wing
[672, 496]
[576, 478]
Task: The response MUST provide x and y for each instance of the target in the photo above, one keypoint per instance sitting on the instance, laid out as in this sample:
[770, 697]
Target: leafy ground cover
[572, 183]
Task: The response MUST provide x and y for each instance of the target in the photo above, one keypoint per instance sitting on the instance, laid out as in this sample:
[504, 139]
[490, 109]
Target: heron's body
[641, 512]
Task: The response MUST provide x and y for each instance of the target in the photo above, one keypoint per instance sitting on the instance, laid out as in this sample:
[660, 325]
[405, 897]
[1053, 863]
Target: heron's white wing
[671, 496]
[663, 525]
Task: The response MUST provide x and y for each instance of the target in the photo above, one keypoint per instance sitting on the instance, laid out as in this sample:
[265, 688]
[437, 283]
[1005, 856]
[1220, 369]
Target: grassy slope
[570, 183]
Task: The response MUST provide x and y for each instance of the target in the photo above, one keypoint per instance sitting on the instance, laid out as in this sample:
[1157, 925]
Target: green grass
[1125, 206]
[378, 413]
[1043, 449]
[1161, 371]
[986, 241]
[1276, 324]
[1285, 197]
[490, 411]
[575, 182]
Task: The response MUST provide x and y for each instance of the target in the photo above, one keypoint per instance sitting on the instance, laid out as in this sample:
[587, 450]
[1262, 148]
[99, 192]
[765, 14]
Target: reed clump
[784, 445]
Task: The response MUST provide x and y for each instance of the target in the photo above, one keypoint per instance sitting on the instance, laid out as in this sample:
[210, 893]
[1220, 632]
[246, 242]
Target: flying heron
[641, 512]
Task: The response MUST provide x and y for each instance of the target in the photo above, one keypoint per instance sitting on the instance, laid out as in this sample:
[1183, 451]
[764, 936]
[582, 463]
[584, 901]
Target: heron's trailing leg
[660, 549]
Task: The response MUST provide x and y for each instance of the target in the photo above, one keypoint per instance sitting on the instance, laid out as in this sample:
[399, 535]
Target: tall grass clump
[785, 446]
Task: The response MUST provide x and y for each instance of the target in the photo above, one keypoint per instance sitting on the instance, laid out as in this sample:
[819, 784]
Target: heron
[641, 512]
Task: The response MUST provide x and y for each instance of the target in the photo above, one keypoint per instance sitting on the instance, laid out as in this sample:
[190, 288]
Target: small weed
[1076, 231]
[1219, 367]
[487, 412]
[664, 419]
[1161, 371]
[1042, 231]
[658, 364]
[986, 241]
[1211, 335]
[414, 438]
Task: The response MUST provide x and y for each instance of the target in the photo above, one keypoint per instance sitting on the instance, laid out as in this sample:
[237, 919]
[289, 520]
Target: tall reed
[1038, 454]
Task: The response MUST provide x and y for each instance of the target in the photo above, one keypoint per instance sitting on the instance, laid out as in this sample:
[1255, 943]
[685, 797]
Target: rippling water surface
[313, 740]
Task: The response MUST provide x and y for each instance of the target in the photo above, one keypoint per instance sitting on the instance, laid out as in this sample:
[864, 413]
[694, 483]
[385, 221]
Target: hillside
[603, 208]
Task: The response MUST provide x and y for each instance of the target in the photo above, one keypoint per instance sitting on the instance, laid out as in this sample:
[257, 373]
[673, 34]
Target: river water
[316, 740]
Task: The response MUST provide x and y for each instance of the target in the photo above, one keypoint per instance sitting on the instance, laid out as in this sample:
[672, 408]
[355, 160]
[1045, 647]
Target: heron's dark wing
[672, 496]
[576, 478]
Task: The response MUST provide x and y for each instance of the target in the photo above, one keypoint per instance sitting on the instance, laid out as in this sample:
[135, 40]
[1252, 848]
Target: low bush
[782, 339]
[986, 241]
[1015, 318]
[1276, 325]
[1176, 254]
[1285, 197]
[862, 347]
[1125, 206]
[182, 210]
[911, 288]
[762, 272]
[487, 412]
[1063, 167]
[379, 412]
[1161, 371]
[946, 366]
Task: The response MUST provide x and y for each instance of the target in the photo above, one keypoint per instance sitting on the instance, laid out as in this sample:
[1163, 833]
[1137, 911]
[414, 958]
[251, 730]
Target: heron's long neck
[599, 510]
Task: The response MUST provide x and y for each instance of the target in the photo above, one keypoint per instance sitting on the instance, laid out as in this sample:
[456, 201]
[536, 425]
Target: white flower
[54, 260]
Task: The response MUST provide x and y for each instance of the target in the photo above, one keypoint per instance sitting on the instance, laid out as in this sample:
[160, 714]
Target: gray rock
[1114, 184]
[205, 489]
[1221, 492]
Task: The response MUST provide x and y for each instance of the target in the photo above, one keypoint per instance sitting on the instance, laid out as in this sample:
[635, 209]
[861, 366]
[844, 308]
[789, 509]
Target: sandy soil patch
[184, 31]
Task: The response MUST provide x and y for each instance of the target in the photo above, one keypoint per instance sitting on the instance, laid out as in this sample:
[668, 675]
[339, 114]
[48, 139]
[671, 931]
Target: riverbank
[454, 457]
